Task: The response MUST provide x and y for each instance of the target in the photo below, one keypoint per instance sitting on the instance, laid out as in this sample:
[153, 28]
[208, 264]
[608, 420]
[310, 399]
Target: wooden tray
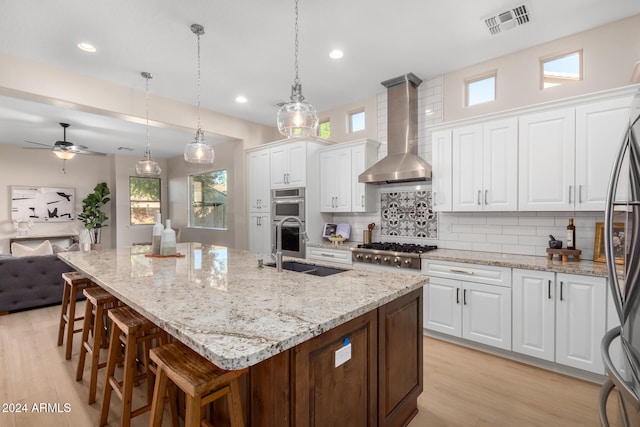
[564, 254]
[177, 255]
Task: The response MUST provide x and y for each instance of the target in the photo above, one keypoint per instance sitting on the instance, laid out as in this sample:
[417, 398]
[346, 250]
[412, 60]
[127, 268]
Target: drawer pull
[329, 255]
[561, 286]
[549, 289]
[457, 295]
[455, 270]
[464, 297]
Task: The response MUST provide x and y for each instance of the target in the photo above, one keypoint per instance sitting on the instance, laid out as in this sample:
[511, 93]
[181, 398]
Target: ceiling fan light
[148, 167]
[198, 151]
[64, 155]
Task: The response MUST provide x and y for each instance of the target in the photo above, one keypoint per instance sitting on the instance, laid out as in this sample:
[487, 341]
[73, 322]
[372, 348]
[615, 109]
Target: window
[325, 129]
[481, 89]
[356, 121]
[560, 69]
[208, 207]
[144, 200]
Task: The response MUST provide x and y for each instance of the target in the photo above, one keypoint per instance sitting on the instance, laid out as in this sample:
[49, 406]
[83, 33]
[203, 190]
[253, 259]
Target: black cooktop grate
[398, 247]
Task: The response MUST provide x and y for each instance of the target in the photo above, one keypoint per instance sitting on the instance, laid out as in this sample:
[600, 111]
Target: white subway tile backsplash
[487, 229]
[472, 219]
[536, 220]
[502, 239]
[461, 228]
[473, 237]
[458, 245]
[517, 231]
[502, 220]
[487, 247]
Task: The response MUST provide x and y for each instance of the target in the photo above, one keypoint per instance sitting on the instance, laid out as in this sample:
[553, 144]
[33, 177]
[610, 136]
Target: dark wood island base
[378, 386]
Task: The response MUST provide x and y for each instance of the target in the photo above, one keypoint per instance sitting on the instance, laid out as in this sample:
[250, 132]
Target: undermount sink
[313, 270]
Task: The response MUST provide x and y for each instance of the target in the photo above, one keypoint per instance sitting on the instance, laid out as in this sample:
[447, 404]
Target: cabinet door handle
[457, 295]
[464, 297]
[549, 289]
[580, 193]
[570, 187]
[479, 195]
[455, 270]
[435, 199]
[561, 286]
[363, 200]
[485, 196]
[257, 220]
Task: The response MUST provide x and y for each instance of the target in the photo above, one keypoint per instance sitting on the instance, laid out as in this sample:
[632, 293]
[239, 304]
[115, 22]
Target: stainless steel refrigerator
[621, 345]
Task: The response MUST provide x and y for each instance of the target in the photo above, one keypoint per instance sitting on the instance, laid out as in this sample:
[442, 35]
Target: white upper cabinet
[546, 166]
[340, 166]
[335, 181]
[441, 164]
[485, 158]
[259, 187]
[600, 127]
[288, 165]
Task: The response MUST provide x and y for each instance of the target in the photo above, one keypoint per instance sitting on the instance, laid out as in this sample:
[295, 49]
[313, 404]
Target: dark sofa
[30, 282]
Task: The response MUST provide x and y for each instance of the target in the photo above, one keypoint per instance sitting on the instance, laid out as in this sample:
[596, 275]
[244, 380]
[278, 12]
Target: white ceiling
[247, 49]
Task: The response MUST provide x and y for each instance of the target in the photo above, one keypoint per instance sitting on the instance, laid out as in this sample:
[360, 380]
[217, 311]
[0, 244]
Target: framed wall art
[42, 204]
[619, 243]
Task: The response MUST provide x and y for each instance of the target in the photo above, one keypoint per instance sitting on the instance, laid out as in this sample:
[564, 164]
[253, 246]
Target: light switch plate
[343, 355]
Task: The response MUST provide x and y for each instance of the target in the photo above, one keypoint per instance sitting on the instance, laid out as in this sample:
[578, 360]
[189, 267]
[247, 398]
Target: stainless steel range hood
[402, 163]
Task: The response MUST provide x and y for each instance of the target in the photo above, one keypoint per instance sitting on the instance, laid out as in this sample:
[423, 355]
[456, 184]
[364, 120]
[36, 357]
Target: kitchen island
[285, 326]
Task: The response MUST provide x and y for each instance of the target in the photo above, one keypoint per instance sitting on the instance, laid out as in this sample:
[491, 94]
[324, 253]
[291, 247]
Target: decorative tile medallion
[408, 214]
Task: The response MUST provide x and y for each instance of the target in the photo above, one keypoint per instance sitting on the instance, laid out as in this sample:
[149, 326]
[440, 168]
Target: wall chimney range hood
[402, 163]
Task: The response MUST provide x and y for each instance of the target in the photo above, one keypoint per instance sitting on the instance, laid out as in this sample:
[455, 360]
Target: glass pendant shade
[297, 118]
[198, 151]
[64, 155]
[148, 167]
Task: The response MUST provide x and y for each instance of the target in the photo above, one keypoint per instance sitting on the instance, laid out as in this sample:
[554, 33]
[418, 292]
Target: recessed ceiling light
[87, 47]
[336, 54]
[241, 99]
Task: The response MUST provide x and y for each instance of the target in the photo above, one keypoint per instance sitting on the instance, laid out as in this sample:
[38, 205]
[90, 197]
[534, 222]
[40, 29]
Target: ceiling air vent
[508, 19]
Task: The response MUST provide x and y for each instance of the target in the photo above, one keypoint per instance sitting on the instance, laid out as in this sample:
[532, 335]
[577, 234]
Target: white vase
[156, 236]
[168, 241]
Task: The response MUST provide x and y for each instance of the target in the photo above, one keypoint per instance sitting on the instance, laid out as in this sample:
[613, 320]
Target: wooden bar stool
[129, 328]
[74, 282]
[99, 302]
[201, 381]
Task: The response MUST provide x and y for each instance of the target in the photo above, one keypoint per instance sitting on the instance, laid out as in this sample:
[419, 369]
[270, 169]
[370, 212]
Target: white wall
[610, 51]
[40, 168]
[339, 118]
[229, 156]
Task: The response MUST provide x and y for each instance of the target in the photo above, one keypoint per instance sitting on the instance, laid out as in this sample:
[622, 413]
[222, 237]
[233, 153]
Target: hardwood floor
[463, 387]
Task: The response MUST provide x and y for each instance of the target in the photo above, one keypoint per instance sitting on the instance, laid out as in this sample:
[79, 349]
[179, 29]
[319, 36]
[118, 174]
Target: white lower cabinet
[559, 317]
[259, 233]
[478, 312]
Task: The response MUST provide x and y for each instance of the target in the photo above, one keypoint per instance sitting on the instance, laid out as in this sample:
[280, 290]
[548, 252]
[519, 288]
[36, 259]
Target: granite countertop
[529, 262]
[218, 302]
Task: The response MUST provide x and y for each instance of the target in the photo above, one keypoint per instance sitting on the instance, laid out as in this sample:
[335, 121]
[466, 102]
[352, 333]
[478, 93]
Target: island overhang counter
[285, 326]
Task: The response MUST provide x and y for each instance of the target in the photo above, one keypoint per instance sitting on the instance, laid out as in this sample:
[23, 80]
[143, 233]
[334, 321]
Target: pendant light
[198, 151]
[147, 166]
[297, 118]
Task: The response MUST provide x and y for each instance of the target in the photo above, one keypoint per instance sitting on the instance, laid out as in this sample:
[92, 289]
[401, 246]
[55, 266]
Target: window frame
[350, 115]
[191, 201]
[159, 201]
[556, 56]
[328, 121]
[478, 78]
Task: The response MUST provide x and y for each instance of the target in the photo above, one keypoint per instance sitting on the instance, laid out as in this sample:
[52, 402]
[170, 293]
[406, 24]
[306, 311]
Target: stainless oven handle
[287, 201]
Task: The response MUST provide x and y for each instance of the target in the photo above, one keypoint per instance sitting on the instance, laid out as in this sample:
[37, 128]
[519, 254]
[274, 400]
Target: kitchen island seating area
[135, 336]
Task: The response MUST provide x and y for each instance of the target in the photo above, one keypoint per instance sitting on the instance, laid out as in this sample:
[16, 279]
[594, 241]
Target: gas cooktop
[402, 255]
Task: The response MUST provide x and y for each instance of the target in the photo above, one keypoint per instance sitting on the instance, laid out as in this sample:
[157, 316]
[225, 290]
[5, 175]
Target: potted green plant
[92, 214]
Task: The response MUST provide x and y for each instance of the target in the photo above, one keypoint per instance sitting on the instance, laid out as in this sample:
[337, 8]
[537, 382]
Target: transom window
[560, 69]
[208, 204]
[356, 121]
[324, 130]
[481, 89]
[144, 200]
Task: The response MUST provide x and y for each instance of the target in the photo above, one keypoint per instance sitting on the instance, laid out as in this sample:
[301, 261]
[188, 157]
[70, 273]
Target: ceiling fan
[64, 149]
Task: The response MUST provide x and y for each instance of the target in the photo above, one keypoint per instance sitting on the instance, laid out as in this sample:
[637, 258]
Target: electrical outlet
[343, 355]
